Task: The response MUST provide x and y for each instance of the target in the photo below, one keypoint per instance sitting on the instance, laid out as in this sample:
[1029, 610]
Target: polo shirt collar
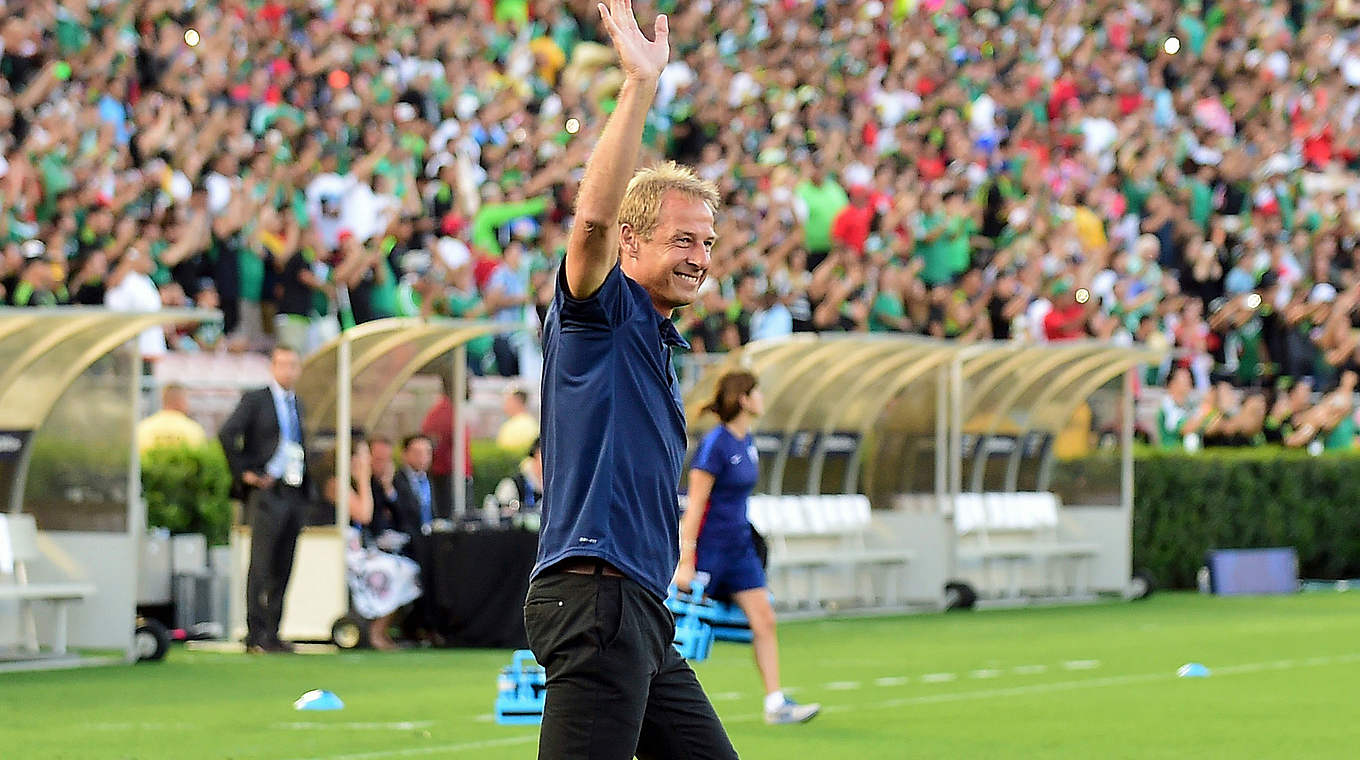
[671, 336]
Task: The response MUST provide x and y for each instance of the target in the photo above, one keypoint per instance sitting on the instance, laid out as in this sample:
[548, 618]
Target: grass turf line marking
[1081, 664]
[1030, 670]
[889, 704]
[892, 681]
[984, 673]
[938, 677]
[842, 685]
[437, 750]
[726, 696]
[1085, 683]
[404, 725]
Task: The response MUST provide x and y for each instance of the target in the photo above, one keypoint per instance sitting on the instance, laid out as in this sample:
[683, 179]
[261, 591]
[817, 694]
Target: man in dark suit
[415, 494]
[415, 510]
[265, 449]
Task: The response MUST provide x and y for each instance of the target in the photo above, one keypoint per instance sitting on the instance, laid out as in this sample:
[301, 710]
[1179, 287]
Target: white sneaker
[792, 712]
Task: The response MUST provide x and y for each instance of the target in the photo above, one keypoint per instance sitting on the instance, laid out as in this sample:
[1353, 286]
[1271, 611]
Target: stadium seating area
[1181, 174]
[815, 536]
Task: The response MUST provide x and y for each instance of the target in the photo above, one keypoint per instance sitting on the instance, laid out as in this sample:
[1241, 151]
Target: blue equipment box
[1254, 571]
[729, 623]
[700, 620]
[693, 635]
[520, 691]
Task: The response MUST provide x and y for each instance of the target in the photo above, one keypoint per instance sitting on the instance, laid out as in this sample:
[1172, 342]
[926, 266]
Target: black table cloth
[476, 583]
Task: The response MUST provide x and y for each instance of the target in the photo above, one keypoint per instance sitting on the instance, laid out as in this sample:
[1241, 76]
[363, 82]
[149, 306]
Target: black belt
[588, 566]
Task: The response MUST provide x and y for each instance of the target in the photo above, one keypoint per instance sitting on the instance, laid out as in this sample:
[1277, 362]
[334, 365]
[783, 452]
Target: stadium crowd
[1180, 174]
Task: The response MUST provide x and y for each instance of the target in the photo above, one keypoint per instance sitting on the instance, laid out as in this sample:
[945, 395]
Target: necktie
[426, 513]
[294, 422]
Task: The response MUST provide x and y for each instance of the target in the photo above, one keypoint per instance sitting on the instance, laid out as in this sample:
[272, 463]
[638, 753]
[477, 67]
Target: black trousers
[276, 517]
[616, 687]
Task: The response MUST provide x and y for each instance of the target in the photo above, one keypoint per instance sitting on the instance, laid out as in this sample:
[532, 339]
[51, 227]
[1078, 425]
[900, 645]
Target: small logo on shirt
[736, 459]
[585, 540]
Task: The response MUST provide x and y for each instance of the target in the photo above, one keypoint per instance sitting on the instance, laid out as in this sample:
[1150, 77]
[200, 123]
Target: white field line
[842, 686]
[938, 677]
[888, 704]
[1056, 686]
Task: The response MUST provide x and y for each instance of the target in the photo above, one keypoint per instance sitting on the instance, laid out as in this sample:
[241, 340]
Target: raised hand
[642, 59]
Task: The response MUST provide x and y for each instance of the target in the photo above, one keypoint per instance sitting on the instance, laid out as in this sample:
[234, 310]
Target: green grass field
[1088, 682]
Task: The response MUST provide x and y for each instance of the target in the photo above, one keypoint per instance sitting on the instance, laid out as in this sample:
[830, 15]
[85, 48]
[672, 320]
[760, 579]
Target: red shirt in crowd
[438, 425]
[931, 167]
[1064, 92]
[1068, 323]
[851, 226]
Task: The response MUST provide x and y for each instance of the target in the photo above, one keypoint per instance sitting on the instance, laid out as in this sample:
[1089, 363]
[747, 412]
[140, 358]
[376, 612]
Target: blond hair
[641, 208]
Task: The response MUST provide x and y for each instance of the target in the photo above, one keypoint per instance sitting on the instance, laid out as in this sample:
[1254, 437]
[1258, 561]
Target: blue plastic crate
[726, 619]
[693, 634]
[520, 691]
[729, 623]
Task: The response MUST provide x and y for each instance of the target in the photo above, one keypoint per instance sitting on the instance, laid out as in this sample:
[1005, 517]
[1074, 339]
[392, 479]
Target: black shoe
[280, 647]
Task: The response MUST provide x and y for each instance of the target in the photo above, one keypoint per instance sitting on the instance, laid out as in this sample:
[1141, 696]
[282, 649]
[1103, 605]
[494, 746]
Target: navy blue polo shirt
[613, 433]
[734, 465]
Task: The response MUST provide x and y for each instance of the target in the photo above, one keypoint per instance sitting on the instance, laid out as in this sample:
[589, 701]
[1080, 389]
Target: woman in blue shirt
[715, 536]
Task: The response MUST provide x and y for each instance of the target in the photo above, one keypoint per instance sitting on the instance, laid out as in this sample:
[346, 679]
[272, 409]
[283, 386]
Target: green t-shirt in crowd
[1249, 360]
[1201, 203]
[934, 254]
[1169, 421]
[460, 306]
[1196, 33]
[385, 292]
[1341, 437]
[885, 305]
[957, 242]
[251, 265]
[823, 203]
[72, 37]
[512, 10]
[1136, 193]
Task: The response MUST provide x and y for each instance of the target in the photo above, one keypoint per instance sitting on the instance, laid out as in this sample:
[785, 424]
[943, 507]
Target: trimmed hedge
[1187, 504]
[186, 490]
[490, 465]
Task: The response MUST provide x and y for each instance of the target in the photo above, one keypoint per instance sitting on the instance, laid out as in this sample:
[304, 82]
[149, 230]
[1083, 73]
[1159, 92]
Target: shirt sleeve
[606, 308]
[711, 458]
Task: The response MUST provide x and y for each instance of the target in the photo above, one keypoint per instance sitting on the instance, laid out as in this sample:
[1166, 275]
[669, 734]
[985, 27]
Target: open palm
[642, 58]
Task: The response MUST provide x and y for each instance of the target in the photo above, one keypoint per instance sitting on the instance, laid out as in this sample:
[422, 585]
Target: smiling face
[672, 261]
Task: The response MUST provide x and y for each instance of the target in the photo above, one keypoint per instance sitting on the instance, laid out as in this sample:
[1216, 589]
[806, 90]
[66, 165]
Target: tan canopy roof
[889, 399]
[43, 351]
[384, 355]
